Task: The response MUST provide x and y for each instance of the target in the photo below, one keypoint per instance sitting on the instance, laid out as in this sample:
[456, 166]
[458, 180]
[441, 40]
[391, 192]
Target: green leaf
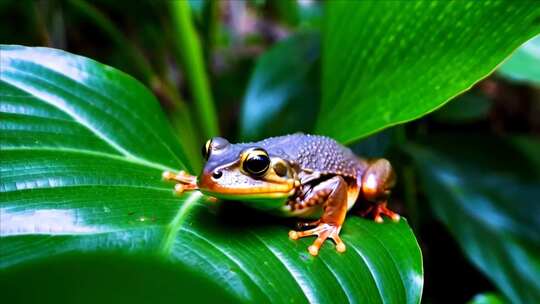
[107, 278]
[524, 65]
[58, 105]
[283, 98]
[486, 192]
[386, 63]
[487, 298]
[82, 152]
[287, 11]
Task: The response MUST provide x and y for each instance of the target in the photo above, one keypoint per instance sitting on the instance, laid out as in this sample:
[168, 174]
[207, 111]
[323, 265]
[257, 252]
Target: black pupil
[257, 164]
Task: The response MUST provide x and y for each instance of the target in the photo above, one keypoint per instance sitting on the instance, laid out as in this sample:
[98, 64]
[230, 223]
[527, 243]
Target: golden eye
[256, 162]
[206, 149]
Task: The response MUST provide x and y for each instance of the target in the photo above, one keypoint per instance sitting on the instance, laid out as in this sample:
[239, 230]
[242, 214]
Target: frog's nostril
[217, 174]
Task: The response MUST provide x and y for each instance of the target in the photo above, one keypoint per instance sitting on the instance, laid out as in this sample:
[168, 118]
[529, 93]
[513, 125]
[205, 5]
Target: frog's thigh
[335, 206]
[334, 212]
[318, 195]
[377, 182]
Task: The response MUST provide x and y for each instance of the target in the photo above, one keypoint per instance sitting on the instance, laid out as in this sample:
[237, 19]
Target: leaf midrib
[172, 230]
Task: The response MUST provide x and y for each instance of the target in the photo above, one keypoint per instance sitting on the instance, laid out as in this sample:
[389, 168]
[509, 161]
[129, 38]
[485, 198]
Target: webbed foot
[322, 231]
[185, 181]
[380, 209]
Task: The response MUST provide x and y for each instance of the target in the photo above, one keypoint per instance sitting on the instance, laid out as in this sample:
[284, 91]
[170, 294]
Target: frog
[310, 177]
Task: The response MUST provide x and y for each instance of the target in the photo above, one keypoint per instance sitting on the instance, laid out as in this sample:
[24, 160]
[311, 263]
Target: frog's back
[314, 152]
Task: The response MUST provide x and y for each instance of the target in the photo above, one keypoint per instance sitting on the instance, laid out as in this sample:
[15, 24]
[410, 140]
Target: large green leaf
[283, 98]
[82, 151]
[486, 192]
[387, 62]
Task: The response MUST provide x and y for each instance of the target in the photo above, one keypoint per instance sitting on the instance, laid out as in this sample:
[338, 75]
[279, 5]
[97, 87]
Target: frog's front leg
[377, 181]
[185, 181]
[332, 193]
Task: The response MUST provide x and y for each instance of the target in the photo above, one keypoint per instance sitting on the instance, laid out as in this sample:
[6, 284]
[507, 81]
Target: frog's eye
[219, 143]
[206, 148]
[256, 162]
[214, 144]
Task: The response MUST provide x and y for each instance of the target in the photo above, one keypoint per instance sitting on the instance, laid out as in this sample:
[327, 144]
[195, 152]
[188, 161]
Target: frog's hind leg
[333, 194]
[377, 183]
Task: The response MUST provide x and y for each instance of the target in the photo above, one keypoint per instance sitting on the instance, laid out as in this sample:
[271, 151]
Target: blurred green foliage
[487, 298]
[524, 65]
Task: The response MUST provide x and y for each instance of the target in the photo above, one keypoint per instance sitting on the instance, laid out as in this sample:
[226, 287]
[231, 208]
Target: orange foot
[322, 231]
[380, 209]
[185, 181]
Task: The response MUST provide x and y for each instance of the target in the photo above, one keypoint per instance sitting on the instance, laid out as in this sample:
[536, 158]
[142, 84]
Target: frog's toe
[323, 232]
[381, 209]
[180, 177]
[340, 246]
[293, 235]
[168, 175]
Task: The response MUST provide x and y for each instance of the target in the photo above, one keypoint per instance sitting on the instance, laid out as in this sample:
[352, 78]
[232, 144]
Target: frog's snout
[213, 180]
[205, 179]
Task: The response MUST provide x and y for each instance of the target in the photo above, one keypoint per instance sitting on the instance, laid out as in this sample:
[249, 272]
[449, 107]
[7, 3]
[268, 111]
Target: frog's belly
[313, 212]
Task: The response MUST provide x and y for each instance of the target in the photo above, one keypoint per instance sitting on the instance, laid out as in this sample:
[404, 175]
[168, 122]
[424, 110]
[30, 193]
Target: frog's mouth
[246, 191]
[237, 194]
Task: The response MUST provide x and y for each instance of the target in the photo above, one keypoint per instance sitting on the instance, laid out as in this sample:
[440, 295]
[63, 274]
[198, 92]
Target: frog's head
[244, 172]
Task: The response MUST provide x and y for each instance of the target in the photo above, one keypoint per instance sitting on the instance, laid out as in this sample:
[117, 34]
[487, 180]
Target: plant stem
[211, 30]
[189, 53]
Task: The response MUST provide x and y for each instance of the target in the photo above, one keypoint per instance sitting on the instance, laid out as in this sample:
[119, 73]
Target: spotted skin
[315, 153]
